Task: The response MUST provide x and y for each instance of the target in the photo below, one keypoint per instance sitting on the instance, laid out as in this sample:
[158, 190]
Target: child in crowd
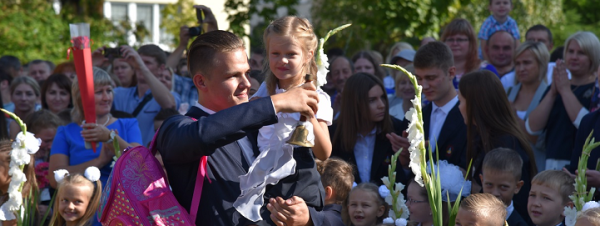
[548, 197]
[501, 177]
[482, 210]
[452, 181]
[499, 20]
[364, 206]
[589, 217]
[337, 177]
[77, 198]
[291, 45]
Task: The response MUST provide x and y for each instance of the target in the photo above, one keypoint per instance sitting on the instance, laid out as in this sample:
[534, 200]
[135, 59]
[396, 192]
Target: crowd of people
[518, 113]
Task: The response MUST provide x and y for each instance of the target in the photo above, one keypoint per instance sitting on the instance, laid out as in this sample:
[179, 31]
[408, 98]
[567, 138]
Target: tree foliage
[378, 24]
[176, 15]
[39, 33]
[240, 12]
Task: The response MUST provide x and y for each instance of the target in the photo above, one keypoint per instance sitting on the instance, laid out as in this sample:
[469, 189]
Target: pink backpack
[137, 192]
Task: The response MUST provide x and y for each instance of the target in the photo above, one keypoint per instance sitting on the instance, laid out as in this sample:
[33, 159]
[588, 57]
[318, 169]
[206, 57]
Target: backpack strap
[198, 188]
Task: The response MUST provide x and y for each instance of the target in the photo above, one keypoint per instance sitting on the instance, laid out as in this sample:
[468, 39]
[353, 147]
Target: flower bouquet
[17, 207]
[398, 214]
[581, 196]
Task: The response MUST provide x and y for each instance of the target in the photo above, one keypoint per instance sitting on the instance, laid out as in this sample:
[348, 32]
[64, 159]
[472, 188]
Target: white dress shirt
[363, 153]
[509, 210]
[438, 117]
[244, 143]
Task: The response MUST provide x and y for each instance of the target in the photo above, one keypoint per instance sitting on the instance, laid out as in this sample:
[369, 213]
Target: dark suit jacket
[332, 215]
[452, 140]
[588, 123]
[182, 142]
[515, 219]
[381, 156]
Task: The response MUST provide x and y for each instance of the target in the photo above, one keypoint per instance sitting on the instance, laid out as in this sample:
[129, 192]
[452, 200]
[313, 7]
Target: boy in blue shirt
[499, 20]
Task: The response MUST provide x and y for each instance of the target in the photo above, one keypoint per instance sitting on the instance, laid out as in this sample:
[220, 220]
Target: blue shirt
[68, 141]
[127, 99]
[491, 25]
[186, 89]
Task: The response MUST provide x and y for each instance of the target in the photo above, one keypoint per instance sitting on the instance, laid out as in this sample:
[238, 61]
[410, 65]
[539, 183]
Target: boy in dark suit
[444, 125]
[501, 177]
[225, 131]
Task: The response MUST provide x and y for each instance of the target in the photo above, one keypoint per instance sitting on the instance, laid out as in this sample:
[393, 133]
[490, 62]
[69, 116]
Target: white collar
[210, 112]
[372, 133]
[447, 107]
[509, 210]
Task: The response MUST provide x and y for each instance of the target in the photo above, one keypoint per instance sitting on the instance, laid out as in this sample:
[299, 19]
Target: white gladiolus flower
[5, 213]
[388, 220]
[386, 181]
[389, 200]
[400, 222]
[322, 65]
[19, 157]
[30, 142]
[15, 200]
[405, 212]
[570, 216]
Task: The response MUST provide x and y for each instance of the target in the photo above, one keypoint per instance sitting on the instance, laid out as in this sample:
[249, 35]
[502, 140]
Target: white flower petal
[31, 143]
[19, 157]
[400, 222]
[570, 216]
[15, 200]
[388, 200]
[388, 220]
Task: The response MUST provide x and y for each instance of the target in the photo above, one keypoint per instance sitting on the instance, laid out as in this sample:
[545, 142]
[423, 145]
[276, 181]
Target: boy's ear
[481, 177]
[199, 81]
[329, 193]
[452, 72]
[519, 186]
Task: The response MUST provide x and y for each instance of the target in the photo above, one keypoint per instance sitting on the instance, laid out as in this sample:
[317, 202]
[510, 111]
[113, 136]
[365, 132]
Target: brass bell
[299, 137]
[300, 134]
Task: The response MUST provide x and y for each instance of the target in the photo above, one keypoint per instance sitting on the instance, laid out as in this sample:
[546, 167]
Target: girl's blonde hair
[369, 187]
[592, 215]
[301, 30]
[90, 211]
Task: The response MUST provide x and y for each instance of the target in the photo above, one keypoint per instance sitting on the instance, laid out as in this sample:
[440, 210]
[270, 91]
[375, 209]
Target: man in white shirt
[444, 125]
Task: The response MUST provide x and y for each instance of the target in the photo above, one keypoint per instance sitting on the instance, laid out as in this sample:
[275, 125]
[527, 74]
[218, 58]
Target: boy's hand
[289, 212]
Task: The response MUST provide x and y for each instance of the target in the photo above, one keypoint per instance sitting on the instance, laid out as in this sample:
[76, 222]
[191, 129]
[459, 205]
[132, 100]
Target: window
[144, 17]
[118, 12]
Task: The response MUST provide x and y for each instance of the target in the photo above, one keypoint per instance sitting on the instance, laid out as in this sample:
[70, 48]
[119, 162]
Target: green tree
[240, 11]
[176, 15]
[379, 24]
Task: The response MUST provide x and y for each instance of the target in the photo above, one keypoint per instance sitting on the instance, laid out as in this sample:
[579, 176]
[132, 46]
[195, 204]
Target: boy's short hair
[485, 206]
[201, 54]
[154, 51]
[338, 174]
[556, 179]
[434, 55]
[504, 160]
[42, 119]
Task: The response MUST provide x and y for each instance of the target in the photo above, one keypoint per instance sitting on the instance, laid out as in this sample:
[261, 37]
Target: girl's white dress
[275, 160]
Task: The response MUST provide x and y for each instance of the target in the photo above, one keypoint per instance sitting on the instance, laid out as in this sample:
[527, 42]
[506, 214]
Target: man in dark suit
[225, 131]
[444, 125]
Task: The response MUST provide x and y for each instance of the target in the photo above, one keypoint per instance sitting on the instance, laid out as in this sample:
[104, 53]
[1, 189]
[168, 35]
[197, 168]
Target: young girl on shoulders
[290, 45]
[77, 197]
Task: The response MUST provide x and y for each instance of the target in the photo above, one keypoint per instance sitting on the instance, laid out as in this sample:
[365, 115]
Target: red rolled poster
[80, 37]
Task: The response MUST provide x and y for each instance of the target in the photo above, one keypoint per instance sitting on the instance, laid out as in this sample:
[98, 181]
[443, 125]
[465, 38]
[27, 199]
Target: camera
[112, 53]
[195, 31]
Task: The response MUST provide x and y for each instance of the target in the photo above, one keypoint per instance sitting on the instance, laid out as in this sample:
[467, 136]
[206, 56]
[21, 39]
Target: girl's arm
[322, 148]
